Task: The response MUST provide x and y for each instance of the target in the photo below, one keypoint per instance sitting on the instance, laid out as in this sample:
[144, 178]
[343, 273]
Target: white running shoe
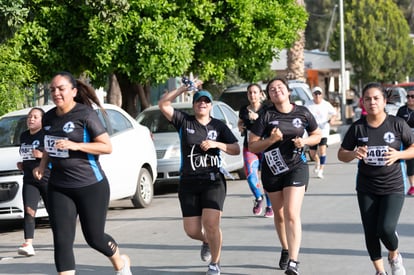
[26, 250]
[320, 174]
[205, 252]
[397, 267]
[126, 270]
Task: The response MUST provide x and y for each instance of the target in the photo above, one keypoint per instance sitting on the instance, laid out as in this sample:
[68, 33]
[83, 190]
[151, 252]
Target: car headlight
[173, 152]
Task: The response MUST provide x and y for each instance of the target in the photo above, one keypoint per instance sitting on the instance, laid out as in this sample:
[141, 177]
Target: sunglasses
[410, 96]
[317, 93]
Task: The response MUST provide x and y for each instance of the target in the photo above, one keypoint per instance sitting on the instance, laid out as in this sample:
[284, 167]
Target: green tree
[13, 14]
[16, 75]
[377, 41]
[321, 13]
[136, 43]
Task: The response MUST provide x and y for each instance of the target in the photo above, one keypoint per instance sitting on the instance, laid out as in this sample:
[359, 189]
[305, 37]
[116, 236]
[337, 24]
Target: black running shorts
[297, 177]
[196, 194]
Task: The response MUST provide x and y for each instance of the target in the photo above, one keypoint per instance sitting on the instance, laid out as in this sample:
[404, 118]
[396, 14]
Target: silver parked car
[131, 167]
[167, 143]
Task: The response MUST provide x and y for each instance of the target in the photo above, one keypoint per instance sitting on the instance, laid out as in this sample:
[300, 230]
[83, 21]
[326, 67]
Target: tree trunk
[132, 93]
[144, 95]
[114, 95]
[295, 56]
[296, 59]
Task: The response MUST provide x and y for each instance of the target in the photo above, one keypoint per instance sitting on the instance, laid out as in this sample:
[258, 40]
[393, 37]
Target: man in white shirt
[324, 113]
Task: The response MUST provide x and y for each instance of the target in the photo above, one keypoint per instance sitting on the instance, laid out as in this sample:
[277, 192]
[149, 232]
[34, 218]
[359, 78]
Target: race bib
[375, 155]
[26, 151]
[50, 148]
[275, 161]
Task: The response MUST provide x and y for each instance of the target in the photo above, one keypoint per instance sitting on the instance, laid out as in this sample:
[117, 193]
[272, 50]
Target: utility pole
[342, 51]
[328, 35]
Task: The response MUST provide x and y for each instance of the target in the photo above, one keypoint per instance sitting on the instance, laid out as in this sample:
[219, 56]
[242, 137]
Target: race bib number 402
[275, 161]
[50, 148]
[375, 155]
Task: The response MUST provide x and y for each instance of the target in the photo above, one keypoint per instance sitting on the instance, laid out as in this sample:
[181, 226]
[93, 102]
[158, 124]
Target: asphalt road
[332, 240]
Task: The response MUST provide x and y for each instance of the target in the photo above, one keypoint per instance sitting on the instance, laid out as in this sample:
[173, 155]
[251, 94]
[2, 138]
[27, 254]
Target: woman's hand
[361, 152]
[38, 173]
[391, 156]
[298, 142]
[276, 135]
[67, 144]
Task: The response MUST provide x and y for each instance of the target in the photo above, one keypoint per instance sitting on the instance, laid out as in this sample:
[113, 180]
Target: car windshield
[10, 130]
[394, 96]
[156, 121]
[235, 99]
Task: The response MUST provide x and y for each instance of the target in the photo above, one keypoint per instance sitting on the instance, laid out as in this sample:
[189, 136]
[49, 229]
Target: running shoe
[411, 191]
[26, 250]
[381, 273]
[126, 270]
[316, 170]
[292, 268]
[284, 259]
[205, 253]
[397, 267]
[320, 174]
[213, 269]
[257, 208]
[268, 212]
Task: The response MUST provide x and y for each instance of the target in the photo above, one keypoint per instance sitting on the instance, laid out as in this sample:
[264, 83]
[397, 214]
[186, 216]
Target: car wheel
[145, 190]
[241, 174]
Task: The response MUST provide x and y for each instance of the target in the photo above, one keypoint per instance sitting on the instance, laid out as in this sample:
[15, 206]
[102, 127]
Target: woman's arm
[229, 148]
[100, 145]
[394, 155]
[257, 144]
[166, 100]
[347, 155]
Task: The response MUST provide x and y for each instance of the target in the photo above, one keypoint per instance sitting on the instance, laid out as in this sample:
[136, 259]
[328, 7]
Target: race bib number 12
[50, 148]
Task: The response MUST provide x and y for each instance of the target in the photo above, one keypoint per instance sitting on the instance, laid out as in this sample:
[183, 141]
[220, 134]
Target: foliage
[13, 14]
[320, 16]
[149, 41]
[377, 41]
[15, 74]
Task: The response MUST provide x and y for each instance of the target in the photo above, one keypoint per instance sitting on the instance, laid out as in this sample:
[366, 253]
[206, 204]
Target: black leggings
[380, 214]
[91, 204]
[32, 191]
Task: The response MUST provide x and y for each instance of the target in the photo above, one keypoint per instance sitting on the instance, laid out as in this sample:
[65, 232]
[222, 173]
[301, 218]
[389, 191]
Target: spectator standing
[248, 114]
[202, 188]
[324, 113]
[31, 151]
[74, 139]
[380, 142]
[407, 113]
[278, 133]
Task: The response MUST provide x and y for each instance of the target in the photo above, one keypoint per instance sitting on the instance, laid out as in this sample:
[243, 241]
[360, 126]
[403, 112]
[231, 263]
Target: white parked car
[167, 142]
[131, 168]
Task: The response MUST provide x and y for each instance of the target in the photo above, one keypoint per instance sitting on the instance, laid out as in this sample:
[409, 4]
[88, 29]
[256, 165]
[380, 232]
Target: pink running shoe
[257, 208]
[268, 212]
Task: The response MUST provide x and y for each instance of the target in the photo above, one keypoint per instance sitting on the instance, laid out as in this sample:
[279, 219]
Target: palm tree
[295, 55]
